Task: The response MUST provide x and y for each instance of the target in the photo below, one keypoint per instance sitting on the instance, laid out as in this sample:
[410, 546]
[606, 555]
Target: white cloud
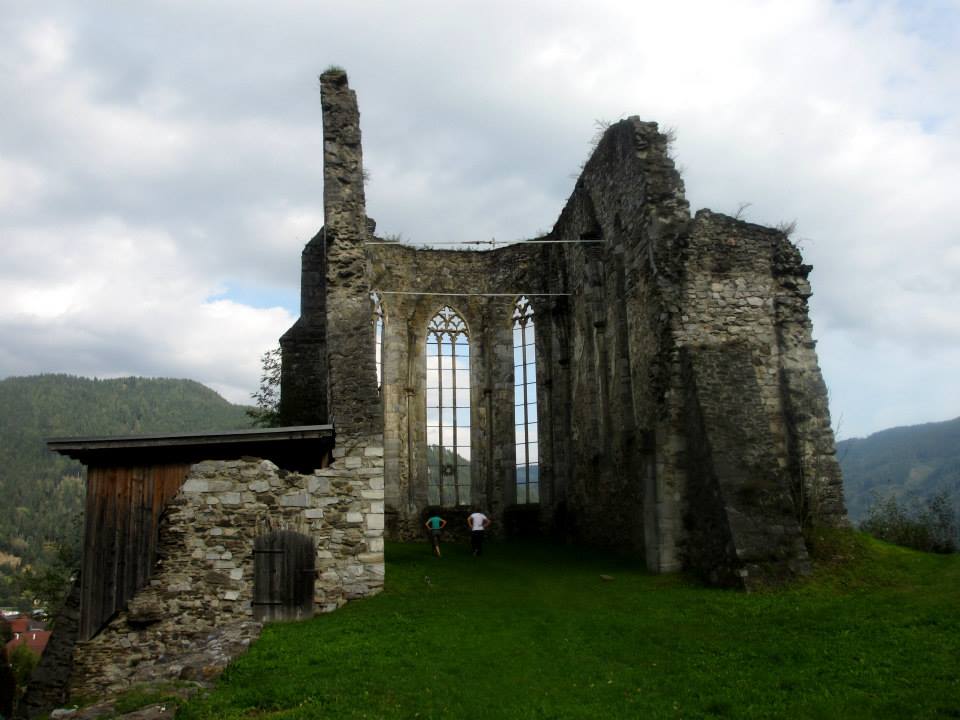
[153, 156]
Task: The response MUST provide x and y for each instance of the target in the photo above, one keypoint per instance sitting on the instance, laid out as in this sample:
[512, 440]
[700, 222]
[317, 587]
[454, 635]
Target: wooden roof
[292, 448]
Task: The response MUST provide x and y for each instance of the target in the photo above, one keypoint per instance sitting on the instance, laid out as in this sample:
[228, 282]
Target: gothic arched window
[525, 404]
[378, 335]
[448, 410]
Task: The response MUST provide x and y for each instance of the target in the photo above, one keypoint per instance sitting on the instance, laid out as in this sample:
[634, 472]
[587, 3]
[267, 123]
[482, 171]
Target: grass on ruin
[534, 631]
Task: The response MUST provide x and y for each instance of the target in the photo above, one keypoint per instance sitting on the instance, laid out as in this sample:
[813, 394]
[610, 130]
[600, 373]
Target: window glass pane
[446, 397]
[446, 345]
[433, 495]
[463, 397]
[532, 434]
[433, 379]
[528, 336]
[518, 415]
[462, 362]
[463, 346]
[446, 417]
[433, 416]
[517, 337]
[518, 395]
[533, 450]
[465, 495]
[521, 454]
[463, 454]
[531, 392]
[517, 357]
[521, 474]
[446, 378]
[446, 436]
[533, 473]
[520, 433]
[433, 397]
[463, 475]
[534, 492]
[433, 362]
[463, 378]
[433, 436]
[463, 417]
[431, 346]
[531, 372]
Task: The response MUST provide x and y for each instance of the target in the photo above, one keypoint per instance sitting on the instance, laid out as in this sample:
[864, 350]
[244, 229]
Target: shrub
[930, 526]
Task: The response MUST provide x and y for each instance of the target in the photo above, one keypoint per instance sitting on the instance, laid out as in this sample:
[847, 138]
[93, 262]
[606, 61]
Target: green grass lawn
[533, 631]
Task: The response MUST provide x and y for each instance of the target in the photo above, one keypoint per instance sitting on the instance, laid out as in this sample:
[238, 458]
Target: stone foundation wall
[196, 613]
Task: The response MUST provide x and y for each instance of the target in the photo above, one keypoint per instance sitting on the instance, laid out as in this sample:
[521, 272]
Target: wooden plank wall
[123, 510]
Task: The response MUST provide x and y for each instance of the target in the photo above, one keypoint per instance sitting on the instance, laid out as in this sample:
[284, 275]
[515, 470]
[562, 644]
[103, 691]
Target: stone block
[375, 521]
[370, 557]
[301, 499]
[313, 513]
[372, 451]
[195, 485]
[259, 486]
[318, 485]
[230, 498]
[354, 517]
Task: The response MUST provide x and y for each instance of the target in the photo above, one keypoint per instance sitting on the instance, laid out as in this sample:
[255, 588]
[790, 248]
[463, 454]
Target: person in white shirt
[478, 524]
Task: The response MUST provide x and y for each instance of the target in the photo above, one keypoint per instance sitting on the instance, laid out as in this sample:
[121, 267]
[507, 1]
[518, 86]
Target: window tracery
[526, 428]
[448, 409]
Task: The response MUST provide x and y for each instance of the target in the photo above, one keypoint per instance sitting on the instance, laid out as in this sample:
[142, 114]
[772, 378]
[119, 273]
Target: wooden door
[284, 571]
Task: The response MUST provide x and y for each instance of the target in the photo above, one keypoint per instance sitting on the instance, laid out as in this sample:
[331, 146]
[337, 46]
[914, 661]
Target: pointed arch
[448, 409]
[526, 428]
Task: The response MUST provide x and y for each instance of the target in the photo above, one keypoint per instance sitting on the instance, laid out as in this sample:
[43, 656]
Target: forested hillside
[910, 462]
[41, 493]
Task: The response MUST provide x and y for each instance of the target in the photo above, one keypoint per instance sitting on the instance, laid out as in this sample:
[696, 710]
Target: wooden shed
[130, 480]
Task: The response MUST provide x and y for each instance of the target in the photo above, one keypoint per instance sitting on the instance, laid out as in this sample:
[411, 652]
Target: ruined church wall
[746, 284]
[625, 484]
[196, 614]
[414, 286]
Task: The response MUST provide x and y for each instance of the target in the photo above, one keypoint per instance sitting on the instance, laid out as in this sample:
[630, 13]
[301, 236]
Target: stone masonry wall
[625, 482]
[196, 613]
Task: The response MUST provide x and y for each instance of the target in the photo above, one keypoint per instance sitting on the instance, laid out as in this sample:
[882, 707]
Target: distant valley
[912, 462]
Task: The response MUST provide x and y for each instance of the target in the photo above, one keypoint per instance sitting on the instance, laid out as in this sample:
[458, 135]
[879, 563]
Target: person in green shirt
[434, 525]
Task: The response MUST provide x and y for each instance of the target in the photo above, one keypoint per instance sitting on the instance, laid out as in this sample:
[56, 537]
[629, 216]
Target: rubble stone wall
[196, 614]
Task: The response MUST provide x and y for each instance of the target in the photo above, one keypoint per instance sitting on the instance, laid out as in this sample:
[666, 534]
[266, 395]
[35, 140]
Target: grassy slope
[534, 632]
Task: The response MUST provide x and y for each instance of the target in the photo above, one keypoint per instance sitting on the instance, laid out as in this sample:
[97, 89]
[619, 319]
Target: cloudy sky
[160, 163]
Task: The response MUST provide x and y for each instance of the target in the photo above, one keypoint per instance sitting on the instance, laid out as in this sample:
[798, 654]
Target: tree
[22, 661]
[929, 525]
[267, 398]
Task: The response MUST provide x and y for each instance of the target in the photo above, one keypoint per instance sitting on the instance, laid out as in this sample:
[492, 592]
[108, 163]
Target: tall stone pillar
[354, 400]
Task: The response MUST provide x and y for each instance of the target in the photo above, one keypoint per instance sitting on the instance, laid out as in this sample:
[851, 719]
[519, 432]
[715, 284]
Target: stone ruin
[637, 378]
